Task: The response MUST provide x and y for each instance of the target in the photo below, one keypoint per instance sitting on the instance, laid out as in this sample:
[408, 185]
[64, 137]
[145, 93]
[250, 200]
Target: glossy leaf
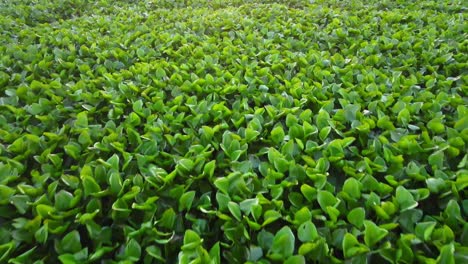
[405, 199]
[373, 233]
[283, 244]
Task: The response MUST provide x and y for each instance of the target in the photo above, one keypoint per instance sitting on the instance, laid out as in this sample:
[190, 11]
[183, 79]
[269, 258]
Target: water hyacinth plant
[238, 131]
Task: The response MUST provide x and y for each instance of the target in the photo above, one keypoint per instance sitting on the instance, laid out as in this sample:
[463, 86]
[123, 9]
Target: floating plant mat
[233, 131]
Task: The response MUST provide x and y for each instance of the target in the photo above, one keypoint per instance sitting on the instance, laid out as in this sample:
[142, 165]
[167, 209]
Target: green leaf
[36, 85]
[42, 234]
[291, 120]
[357, 216]
[436, 160]
[21, 202]
[324, 132]
[297, 259]
[18, 145]
[453, 214]
[307, 232]
[44, 210]
[90, 185]
[63, 200]
[447, 254]
[191, 240]
[84, 139]
[73, 150]
[270, 216]
[251, 134]
[309, 129]
[5, 250]
[115, 182]
[373, 233]
[215, 253]
[385, 123]
[71, 242]
[81, 120]
[247, 205]
[283, 244]
[325, 199]
[333, 213]
[4, 78]
[310, 193]
[160, 73]
[155, 252]
[255, 253]
[302, 215]
[114, 162]
[353, 188]
[100, 252]
[461, 124]
[209, 168]
[222, 184]
[322, 119]
[185, 164]
[265, 239]
[132, 250]
[404, 117]
[405, 199]
[168, 219]
[185, 201]
[277, 134]
[235, 210]
[352, 247]
[68, 259]
[335, 151]
[24, 257]
[87, 217]
[408, 218]
[257, 212]
[222, 200]
[461, 254]
[424, 230]
[6, 193]
[310, 248]
[351, 111]
[436, 126]
[435, 185]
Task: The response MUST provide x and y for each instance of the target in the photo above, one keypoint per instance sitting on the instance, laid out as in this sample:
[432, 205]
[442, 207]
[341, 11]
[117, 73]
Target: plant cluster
[233, 131]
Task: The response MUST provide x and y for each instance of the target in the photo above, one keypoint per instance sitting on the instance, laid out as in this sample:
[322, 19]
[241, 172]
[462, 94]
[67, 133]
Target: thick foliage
[233, 131]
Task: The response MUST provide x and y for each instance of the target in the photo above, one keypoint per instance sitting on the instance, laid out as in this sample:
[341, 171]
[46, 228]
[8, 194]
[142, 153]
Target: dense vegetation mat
[233, 131]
